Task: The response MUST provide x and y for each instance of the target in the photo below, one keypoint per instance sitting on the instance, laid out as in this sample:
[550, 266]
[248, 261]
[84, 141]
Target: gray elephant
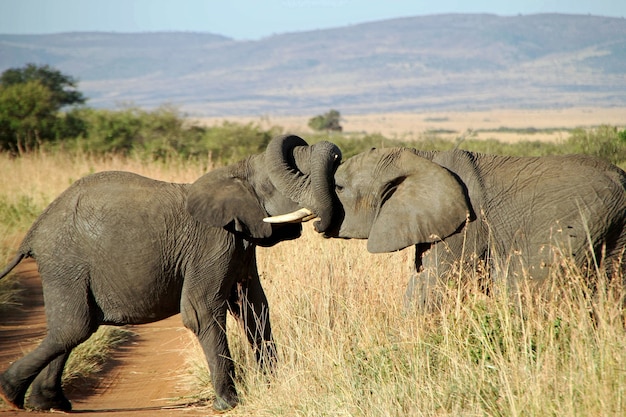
[519, 216]
[118, 248]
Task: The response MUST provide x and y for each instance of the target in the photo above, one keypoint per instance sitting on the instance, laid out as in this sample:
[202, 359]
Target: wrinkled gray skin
[518, 215]
[118, 248]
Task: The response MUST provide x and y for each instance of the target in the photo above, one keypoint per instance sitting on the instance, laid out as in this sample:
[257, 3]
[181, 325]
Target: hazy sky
[254, 19]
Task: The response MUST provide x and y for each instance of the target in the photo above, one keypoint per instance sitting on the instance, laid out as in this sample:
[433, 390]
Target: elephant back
[78, 212]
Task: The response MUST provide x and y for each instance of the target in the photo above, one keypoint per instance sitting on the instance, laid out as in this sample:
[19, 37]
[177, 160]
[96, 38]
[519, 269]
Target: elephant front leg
[432, 263]
[210, 328]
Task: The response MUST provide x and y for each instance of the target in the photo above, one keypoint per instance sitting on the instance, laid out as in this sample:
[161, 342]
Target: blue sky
[254, 19]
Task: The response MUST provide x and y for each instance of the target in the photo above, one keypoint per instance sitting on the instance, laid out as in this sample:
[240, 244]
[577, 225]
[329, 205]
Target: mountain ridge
[435, 62]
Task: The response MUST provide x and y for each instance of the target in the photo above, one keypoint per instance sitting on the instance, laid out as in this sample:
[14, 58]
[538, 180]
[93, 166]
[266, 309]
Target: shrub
[121, 131]
[162, 134]
[232, 142]
[27, 114]
[604, 141]
[329, 121]
[30, 100]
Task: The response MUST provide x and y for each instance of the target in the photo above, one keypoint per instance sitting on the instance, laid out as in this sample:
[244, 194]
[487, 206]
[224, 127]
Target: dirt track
[142, 379]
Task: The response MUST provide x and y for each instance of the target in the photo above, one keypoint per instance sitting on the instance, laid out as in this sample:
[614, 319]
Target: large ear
[217, 199]
[424, 203]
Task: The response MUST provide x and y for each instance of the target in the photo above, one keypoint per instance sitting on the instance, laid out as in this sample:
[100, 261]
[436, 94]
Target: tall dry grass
[347, 346]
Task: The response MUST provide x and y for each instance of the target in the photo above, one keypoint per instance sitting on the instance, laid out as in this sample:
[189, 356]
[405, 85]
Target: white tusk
[298, 216]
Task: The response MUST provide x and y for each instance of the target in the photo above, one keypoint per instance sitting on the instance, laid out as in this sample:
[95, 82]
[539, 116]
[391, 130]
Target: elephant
[117, 248]
[518, 216]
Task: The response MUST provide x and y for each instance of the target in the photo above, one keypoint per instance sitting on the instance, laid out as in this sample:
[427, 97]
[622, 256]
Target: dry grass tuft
[88, 358]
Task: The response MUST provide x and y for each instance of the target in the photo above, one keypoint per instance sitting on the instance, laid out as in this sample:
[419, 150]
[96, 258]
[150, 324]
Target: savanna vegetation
[346, 345]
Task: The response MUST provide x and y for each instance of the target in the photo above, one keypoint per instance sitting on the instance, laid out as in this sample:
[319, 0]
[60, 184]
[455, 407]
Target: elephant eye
[338, 188]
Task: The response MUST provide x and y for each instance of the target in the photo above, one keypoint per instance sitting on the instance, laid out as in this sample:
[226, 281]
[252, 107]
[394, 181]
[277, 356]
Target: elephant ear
[423, 203]
[218, 199]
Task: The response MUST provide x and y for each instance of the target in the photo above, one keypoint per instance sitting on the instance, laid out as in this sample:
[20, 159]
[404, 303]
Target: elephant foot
[52, 400]
[220, 404]
[12, 397]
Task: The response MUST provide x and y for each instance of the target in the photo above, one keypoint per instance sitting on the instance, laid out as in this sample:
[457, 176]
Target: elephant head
[396, 199]
[290, 175]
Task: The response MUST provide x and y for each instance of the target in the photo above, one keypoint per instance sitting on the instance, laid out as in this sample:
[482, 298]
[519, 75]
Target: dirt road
[144, 378]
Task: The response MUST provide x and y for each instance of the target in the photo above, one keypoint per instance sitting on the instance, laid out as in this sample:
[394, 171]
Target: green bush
[30, 102]
[523, 148]
[352, 145]
[122, 131]
[232, 142]
[605, 142]
[329, 121]
[27, 115]
[161, 134]
[18, 214]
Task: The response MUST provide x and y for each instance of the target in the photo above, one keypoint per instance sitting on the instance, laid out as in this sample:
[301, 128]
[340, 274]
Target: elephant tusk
[298, 216]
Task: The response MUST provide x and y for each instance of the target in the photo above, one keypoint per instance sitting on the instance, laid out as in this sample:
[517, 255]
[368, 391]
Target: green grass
[17, 213]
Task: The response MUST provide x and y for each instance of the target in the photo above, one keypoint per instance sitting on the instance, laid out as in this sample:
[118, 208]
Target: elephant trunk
[305, 174]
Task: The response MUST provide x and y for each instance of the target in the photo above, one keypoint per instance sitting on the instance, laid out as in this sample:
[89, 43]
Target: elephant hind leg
[15, 381]
[46, 392]
[49, 357]
[70, 322]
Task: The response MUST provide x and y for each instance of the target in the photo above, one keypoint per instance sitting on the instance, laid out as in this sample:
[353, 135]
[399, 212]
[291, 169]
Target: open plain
[505, 125]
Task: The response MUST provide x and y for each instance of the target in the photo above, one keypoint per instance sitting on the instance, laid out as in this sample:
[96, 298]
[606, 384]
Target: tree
[63, 87]
[328, 121]
[27, 114]
[30, 100]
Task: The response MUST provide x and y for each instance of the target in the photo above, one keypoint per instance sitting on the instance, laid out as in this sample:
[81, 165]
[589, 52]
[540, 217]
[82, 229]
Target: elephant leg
[69, 323]
[18, 377]
[421, 291]
[249, 305]
[423, 281]
[46, 392]
[210, 328]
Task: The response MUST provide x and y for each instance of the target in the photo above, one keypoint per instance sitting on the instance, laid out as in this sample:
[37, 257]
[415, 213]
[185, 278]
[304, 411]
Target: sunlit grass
[88, 359]
[348, 347]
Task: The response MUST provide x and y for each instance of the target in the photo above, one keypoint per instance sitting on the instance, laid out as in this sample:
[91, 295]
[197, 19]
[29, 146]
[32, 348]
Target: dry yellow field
[348, 348]
[412, 125]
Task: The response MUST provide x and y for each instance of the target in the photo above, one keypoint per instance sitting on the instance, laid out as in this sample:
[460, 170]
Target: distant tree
[27, 114]
[30, 101]
[63, 87]
[329, 121]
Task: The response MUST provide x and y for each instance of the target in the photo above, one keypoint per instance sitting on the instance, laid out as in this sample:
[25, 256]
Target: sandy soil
[144, 378]
[411, 125]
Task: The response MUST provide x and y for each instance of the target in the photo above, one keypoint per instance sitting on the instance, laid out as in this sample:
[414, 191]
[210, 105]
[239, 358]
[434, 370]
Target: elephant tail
[11, 265]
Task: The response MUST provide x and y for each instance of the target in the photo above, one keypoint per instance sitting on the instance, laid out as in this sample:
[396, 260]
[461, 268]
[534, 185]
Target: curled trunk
[305, 173]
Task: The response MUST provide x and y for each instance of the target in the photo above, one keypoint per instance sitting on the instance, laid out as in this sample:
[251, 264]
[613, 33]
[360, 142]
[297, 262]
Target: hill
[441, 62]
